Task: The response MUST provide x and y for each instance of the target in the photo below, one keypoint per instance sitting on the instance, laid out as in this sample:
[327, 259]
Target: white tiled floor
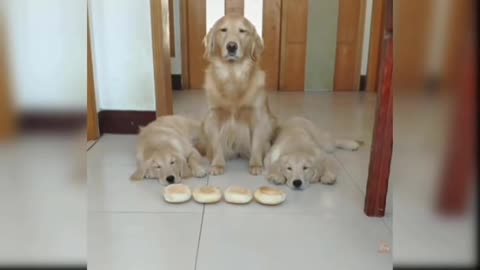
[323, 227]
[42, 202]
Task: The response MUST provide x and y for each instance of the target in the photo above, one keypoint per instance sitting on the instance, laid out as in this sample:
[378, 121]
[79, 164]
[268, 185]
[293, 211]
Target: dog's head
[167, 165]
[300, 169]
[233, 38]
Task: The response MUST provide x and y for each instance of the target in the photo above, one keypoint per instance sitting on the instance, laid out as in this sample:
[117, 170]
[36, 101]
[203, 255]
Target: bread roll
[177, 193]
[238, 195]
[207, 194]
[270, 196]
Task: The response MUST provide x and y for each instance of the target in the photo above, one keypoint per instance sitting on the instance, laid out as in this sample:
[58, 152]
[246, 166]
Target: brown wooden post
[93, 131]
[382, 141]
[161, 56]
[7, 113]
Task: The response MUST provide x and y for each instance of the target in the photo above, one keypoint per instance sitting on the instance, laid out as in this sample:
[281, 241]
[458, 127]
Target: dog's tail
[328, 143]
[346, 144]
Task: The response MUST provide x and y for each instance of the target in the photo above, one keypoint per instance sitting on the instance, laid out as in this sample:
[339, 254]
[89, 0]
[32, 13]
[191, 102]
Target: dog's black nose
[232, 47]
[297, 183]
[170, 179]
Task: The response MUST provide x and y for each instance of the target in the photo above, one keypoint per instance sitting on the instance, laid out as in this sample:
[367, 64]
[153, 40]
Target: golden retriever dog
[239, 121]
[298, 154]
[166, 150]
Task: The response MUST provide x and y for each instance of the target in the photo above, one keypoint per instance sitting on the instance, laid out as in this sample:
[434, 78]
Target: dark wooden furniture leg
[382, 141]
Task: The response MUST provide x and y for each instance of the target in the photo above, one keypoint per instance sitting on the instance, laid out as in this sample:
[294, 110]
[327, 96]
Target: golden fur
[298, 154]
[239, 120]
[166, 149]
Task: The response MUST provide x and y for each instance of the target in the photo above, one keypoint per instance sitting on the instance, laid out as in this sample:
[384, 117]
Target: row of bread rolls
[179, 193]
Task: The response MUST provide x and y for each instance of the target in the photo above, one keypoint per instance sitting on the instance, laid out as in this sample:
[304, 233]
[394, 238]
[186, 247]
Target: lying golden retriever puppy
[297, 156]
[239, 121]
[166, 151]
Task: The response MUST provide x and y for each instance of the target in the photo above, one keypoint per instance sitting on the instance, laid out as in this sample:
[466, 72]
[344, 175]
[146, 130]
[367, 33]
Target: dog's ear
[139, 174]
[209, 43]
[257, 47]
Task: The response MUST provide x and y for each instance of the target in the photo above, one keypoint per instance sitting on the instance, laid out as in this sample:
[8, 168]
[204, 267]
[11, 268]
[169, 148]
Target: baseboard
[51, 121]
[177, 82]
[124, 122]
[363, 82]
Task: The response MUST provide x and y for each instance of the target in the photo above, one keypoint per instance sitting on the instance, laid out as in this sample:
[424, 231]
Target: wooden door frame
[235, 6]
[159, 12]
[92, 117]
[7, 114]
[359, 45]
[285, 73]
[375, 49]
[184, 43]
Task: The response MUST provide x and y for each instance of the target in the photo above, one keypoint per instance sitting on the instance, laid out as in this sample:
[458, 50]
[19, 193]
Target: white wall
[46, 40]
[214, 10]
[122, 48]
[122, 51]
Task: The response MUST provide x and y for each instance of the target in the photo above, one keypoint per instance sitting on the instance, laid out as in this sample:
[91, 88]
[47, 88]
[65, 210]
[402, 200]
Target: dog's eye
[172, 162]
[289, 168]
[305, 168]
[223, 29]
[242, 31]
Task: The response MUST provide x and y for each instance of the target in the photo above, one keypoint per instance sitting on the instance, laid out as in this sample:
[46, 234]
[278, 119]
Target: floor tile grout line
[95, 142]
[199, 238]
[115, 212]
[200, 231]
[351, 179]
[358, 188]
[390, 229]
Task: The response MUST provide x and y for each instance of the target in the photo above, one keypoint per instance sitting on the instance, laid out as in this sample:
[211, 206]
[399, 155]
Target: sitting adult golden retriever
[166, 150]
[297, 156]
[239, 121]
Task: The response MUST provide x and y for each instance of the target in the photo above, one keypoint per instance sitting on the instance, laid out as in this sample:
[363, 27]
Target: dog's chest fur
[234, 78]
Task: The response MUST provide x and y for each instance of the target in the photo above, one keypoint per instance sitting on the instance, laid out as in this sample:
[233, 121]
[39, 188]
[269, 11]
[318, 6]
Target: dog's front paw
[328, 178]
[255, 170]
[199, 171]
[217, 170]
[276, 178]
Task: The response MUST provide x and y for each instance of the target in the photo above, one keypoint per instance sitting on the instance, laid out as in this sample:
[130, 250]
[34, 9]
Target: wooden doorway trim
[7, 115]
[92, 117]
[272, 24]
[375, 50]
[193, 32]
[351, 23]
[234, 7]
[293, 50]
[161, 56]
[171, 21]
[184, 43]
